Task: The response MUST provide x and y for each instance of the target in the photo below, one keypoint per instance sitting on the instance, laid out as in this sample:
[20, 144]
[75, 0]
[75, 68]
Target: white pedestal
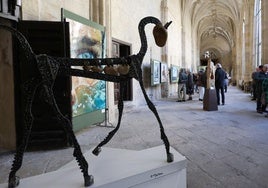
[118, 168]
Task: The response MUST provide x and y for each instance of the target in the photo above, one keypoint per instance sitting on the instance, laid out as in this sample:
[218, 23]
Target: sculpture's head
[160, 34]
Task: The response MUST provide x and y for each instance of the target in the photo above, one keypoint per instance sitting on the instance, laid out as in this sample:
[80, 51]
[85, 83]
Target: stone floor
[227, 148]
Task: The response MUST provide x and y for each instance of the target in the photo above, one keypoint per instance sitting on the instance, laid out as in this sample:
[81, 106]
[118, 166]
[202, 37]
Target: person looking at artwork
[219, 83]
[201, 82]
[195, 78]
[189, 85]
[182, 85]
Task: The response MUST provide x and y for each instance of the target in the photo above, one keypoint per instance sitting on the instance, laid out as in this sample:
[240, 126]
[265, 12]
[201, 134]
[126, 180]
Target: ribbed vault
[214, 23]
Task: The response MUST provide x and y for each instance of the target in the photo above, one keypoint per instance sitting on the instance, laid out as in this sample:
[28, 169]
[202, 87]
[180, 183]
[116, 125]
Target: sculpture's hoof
[170, 157]
[96, 151]
[13, 182]
[89, 180]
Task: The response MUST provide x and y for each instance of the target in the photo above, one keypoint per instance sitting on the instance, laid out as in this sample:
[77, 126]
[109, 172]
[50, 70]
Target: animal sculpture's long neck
[22, 40]
[143, 38]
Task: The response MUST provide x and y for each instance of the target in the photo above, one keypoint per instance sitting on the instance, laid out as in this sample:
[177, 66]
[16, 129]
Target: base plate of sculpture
[210, 100]
[115, 168]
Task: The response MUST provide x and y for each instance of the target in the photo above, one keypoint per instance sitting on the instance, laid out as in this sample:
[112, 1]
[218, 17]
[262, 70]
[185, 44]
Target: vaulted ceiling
[215, 22]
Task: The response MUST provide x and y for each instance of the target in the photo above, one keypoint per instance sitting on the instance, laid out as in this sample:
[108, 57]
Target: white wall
[125, 18]
[50, 10]
[7, 110]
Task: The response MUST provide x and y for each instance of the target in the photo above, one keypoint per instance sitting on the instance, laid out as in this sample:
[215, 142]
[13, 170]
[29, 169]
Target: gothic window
[258, 32]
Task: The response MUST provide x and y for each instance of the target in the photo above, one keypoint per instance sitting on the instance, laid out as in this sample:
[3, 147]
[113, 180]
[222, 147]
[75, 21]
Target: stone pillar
[95, 11]
[264, 32]
[248, 60]
[100, 12]
[7, 103]
[183, 64]
[112, 108]
[234, 69]
[164, 17]
[164, 50]
[238, 62]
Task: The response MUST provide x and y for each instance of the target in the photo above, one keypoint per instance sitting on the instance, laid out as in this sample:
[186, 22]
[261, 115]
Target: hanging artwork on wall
[155, 72]
[199, 68]
[164, 72]
[174, 73]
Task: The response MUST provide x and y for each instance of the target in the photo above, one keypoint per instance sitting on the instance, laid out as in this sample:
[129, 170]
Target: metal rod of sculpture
[49, 67]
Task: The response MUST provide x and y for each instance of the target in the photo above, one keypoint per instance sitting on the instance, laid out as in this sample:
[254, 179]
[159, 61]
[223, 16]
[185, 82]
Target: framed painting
[164, 72]
[87, 40]
[174, 74]
[155, 72]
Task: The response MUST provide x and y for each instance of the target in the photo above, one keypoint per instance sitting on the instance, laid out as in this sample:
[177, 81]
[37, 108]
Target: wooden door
[121, 50]
[45, 38]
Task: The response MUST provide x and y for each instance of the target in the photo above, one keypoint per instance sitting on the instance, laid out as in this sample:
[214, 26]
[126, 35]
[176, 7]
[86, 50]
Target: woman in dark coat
[190, 85]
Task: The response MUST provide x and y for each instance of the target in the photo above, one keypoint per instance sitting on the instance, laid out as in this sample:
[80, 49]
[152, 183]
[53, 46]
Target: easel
[106, 121]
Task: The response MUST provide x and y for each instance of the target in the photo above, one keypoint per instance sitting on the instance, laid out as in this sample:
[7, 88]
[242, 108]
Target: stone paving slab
[227, 148]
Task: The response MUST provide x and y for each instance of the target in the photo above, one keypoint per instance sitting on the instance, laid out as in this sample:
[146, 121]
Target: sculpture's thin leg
[66, 124]
[97, 150]
[151, 106]
[29, 89]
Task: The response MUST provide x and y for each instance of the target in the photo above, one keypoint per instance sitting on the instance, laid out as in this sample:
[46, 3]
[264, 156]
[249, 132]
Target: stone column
[95, 11]
[248, 60]
[7, 103]
[164, 50]
[264, 32]
[100, 12]
[238, 60]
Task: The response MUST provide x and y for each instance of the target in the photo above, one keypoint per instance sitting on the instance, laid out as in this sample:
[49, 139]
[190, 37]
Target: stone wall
[7, 108]
[50, 10]
[265, 32]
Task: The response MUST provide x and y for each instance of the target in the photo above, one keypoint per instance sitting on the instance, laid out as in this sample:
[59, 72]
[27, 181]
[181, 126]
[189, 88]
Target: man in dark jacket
[182, 85]
[220, 75]
[189, 85]
[260, 77]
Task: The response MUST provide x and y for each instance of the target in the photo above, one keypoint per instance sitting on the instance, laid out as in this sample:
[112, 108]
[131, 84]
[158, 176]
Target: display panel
[86, 41]
[155, 72]
[174, 74]
[164, 72]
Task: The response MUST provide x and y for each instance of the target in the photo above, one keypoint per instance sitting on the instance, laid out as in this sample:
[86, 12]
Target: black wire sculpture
[49, 67]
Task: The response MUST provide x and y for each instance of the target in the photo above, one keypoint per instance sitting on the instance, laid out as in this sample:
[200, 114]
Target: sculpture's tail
[22, 40]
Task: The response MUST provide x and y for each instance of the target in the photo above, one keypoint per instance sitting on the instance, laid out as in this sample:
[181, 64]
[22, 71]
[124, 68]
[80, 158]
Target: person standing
[226, 82]
[189, 85]
[219, 83]
[201, 82]
[254, 77]
[182, 85]
[261, 76]
[265, 91]
[195, 78]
